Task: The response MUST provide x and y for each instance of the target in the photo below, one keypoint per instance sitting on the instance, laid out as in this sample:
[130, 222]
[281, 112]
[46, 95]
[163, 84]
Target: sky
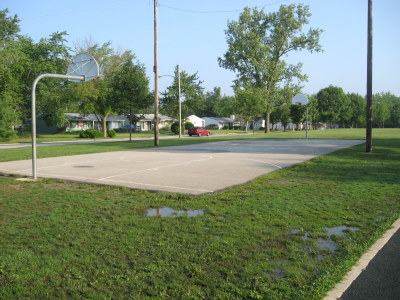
[192, 35]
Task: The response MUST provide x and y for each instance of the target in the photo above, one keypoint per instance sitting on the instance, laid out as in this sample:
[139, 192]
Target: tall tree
[21, 60]
[258, 44]
[358, 105]
[9, 27]
[298, 114]
[381, 109]
[313, 115]
[95, 96]
[130, 91]
[333, 105]
[191, 95]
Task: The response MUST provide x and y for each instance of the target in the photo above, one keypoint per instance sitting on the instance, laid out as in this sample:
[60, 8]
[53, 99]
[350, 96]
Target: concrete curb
[361, 264]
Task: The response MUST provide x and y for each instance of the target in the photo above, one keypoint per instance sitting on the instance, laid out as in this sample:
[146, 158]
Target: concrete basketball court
[191, 169]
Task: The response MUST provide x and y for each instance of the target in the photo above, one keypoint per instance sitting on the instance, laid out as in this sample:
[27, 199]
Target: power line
[217, 11]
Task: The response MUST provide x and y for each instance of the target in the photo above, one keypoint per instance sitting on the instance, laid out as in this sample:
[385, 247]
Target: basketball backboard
[83, 65]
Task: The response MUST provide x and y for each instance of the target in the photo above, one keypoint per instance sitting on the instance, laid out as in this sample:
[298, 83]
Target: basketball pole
[368, 144]
[33, 107]
[155, 69]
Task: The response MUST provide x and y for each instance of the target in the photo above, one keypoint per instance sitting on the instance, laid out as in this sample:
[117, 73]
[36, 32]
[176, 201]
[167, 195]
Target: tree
[258, 43]
[130, 91]
[381, 109]
[9, 27]
[313, 115]
[21, 60]
[284, 115]
[96, 96]
[191, 96]
[394, 104]
[249, 104]
[358, 105]
[298, 114]
[333, 105]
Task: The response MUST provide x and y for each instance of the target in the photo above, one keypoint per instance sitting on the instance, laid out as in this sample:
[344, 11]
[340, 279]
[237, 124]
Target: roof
[220, 119]
[92, 117]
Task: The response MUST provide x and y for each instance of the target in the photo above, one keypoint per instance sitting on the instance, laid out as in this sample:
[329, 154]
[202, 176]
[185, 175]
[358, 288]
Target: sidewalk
[376, 276]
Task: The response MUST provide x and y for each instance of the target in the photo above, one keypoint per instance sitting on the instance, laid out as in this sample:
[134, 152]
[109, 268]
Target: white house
[196, 121]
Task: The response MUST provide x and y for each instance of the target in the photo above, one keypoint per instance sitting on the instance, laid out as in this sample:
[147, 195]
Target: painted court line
[158, 168]
[264, 162]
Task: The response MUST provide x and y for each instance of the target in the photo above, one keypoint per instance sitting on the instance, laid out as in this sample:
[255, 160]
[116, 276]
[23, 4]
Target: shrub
[90, 133]
[175, 127]
[188, 125]
[111, 133]
[213, 127]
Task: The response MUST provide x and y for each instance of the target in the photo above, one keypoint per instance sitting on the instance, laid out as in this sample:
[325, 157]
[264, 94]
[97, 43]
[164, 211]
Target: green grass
[255, 241]
[52, 151]
[74, 136]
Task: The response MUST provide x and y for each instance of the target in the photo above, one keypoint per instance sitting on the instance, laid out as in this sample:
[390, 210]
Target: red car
[198, 131]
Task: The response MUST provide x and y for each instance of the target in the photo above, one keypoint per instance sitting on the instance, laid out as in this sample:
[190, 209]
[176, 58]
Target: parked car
[198, 131]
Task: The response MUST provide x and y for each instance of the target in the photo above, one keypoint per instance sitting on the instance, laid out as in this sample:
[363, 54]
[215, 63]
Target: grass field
[288, 235]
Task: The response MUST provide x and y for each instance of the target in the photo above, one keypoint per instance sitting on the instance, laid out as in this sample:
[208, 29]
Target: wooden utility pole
[156, 119]
[368, 143]
[179, 100]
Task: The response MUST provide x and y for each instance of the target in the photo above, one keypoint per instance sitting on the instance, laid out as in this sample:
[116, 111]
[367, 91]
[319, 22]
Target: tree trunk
[267, 115]
[104, 125]
[130, 124]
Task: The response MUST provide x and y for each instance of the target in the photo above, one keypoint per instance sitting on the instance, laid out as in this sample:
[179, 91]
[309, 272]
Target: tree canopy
[258, 43]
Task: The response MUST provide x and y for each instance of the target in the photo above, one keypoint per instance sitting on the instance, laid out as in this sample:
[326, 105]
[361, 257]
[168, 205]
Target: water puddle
[169, 212]
[83, 166]
[280, 273]
[340, 230]
[327, 243]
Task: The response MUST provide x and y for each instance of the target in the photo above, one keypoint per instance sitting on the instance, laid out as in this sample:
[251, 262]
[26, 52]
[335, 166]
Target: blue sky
[191, 34]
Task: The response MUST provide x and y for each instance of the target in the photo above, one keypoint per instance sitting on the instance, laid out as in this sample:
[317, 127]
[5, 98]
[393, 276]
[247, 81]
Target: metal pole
[179, 101]
[306, 121]
[156, 130]
[368, 144]
[33, 106]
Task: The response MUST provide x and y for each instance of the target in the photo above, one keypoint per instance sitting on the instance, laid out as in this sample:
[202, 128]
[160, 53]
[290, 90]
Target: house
[219, 122]
[147, 121]
[79, 122]
[196, 121]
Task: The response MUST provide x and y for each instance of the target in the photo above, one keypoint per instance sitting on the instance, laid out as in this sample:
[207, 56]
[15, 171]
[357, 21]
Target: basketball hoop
[82, 68]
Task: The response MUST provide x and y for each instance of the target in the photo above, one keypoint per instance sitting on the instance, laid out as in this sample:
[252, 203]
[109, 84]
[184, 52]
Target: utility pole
[179, 101]
[155, 69]
[368, 143]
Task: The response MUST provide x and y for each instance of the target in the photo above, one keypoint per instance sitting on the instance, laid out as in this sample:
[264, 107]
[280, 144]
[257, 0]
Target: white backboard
[300, 99]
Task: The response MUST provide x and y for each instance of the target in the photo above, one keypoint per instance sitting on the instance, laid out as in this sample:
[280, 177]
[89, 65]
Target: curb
[361, 264]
